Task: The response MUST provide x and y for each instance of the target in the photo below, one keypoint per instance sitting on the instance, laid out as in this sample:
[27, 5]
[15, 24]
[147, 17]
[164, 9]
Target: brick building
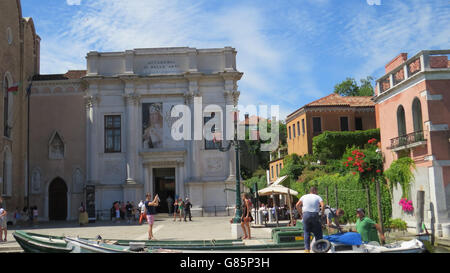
[19, 61]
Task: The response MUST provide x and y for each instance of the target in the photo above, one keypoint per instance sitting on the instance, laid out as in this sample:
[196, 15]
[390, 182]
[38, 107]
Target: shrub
[332, 145]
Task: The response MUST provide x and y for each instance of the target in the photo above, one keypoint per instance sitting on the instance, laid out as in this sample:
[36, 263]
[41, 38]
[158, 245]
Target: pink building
[413, 114]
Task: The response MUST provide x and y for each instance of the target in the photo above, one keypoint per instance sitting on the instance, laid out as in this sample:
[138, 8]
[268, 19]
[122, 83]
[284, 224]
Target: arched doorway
[57, 200]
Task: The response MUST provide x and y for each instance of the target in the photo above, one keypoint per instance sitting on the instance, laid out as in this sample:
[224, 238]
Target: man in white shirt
[308, 208]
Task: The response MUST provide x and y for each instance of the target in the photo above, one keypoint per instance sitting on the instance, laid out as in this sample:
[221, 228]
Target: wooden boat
[40, 243]
[106, 246]
[78, 245]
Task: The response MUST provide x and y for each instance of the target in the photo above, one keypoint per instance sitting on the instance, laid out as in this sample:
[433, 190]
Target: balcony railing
[407, 141]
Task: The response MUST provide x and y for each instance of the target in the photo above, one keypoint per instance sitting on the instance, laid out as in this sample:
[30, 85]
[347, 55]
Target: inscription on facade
[161, 67]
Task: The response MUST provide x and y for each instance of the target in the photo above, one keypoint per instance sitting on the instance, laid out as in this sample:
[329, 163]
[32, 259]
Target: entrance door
[164, 187]
[57, 199]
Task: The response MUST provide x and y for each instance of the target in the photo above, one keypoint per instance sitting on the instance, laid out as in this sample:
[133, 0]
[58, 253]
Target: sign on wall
[152, 125]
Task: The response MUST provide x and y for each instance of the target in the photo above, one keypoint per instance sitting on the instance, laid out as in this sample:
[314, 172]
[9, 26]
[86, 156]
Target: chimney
[401, 58]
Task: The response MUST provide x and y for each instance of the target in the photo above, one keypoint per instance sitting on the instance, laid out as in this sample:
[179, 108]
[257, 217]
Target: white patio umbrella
[279, 189]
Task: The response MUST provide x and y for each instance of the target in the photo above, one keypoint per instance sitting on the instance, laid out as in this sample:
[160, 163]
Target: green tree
[349, 87]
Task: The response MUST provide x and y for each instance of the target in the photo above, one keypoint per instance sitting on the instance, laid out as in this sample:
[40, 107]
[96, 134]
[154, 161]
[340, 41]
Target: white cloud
[73, 2]
[404, 27]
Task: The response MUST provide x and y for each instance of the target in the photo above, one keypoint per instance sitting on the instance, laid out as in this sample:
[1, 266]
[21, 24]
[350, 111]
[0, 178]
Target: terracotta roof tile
[70, 75]
[337, 100]
[75, 74]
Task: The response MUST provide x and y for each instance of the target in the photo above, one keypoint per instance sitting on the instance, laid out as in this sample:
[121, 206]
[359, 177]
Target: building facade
[130, 148]
[413, 114]
[330, 113]
[58, 145]
[275, 167]
[19, 61]
[111, 132]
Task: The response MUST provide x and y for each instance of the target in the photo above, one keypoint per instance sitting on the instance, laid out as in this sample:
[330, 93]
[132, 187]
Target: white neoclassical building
[129, 147]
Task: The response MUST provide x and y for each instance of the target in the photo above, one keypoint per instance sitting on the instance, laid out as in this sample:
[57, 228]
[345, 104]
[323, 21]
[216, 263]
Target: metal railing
[407, 139]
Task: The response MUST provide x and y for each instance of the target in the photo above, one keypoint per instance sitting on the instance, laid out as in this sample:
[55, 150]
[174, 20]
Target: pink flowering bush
[406, 205]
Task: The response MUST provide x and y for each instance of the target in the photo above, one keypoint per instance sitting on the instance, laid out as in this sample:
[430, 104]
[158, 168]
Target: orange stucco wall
[330, 121]
[273, 169]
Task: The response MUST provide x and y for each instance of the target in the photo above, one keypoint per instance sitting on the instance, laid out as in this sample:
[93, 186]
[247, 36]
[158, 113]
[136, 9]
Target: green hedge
[332, 145]
[351, 195]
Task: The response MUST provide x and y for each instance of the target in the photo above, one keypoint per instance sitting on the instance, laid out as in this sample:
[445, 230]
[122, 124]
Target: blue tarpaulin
[347, 238]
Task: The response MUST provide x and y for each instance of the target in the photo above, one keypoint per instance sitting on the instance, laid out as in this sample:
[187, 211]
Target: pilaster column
[194, 145]
[92, 136]
[132, 100]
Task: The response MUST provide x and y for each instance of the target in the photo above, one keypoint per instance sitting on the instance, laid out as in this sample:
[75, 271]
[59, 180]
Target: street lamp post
[235, 142]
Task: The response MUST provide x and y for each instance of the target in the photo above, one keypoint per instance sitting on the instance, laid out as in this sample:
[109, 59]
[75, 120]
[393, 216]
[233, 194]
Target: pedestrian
[123, 210]
[368, 228]
[25, 216]
[187, 209]
[83, 216]
[169, 201]
[129, 210]
[143, 216]
[30, 215]
[3, 222]
[308, 208]
[332, 215]
[141, 211]
[35, 215]
[150, 211]
[176, 209]
[117, 211]
[133, 212]
[181, 207]
[246, 216]
[17, 216]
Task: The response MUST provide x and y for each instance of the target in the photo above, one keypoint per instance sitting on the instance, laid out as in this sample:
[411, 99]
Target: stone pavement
[164, 228]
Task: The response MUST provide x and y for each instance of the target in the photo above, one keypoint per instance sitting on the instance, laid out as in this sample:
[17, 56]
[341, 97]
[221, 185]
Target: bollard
[420, 211]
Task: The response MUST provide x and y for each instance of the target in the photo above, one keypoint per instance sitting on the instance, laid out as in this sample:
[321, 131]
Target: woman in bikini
[246, 217]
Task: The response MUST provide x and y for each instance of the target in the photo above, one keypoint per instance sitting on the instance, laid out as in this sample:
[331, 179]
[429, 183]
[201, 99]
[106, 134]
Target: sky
[291, 52]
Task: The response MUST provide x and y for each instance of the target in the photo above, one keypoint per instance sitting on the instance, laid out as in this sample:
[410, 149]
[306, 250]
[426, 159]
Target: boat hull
[35, 243]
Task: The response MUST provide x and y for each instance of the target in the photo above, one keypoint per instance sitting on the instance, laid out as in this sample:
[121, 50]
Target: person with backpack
[187, 209]
[332, 215]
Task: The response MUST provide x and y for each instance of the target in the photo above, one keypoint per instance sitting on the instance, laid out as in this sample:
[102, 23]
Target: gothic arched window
[417, 115]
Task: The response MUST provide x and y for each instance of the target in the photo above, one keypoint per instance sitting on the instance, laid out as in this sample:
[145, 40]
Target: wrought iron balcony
[408, 141]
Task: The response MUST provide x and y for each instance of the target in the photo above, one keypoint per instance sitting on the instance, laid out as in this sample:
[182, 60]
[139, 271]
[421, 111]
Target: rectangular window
[358, 124]
[344, 123]
[303, 126]
[278, 171]
[213, 144]
[293, 129]
[317, 125]
[271, 170]
[290, 132]
[298, 128]
[113, 134]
